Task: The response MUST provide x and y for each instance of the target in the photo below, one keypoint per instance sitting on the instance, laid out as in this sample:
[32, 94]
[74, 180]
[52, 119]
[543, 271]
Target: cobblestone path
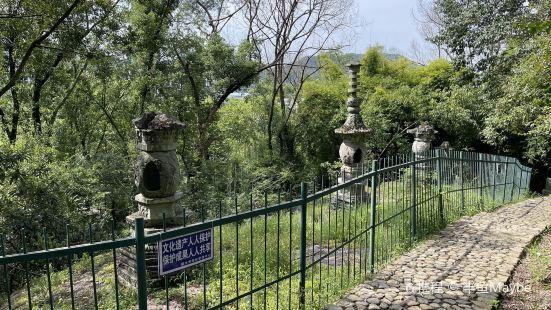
[465, 266]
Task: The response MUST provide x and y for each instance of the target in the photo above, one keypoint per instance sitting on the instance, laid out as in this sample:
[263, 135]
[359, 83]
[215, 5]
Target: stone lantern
[157, 174]
[157, 177]
[424, 135]
[353, 133]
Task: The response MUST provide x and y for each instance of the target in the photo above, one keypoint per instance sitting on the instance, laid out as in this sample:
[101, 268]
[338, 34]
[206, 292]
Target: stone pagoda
[157, 173]
[353, 133]
[157, 177]
[424, 135]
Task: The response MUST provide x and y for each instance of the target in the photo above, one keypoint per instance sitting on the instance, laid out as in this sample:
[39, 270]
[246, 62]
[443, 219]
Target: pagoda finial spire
[354, 124]
[353, 102]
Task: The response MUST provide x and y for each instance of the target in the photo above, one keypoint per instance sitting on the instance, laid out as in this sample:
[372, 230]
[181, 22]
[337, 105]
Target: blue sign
[185, 251]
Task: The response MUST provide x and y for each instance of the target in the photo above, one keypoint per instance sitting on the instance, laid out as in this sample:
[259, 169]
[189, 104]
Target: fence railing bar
[66, 251]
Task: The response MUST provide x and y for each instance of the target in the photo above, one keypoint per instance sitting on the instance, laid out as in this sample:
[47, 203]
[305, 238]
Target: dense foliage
[75, 73]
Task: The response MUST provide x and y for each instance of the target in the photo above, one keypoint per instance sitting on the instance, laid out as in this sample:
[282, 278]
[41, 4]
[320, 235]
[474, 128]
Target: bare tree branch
[288, 31]
[399, 133]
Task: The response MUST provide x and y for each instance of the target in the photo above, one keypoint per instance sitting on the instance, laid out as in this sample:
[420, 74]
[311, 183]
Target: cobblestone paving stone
[464, 266]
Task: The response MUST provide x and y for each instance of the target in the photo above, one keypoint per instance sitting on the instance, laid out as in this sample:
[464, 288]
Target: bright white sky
[389, 23]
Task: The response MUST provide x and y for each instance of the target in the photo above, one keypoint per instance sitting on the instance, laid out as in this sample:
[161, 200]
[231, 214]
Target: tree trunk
[272, 106]
[202, 142]
[12, 134]
[37, 93]
[15, 116]
[38, 83]
[286, 141]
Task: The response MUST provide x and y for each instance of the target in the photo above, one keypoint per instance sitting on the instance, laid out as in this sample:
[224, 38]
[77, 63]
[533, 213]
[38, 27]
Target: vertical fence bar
[494, 179]
[251, 245]
[480, 176]
[520, 178]
[70, 261]
[303, 216]
[528, 179]
[439, 184]
[27, 279]
[374, 168]
[413, 198]
[514, 166]
[48, 274]
[165, 276]
[265, 249]
[505, 180]
[184, 217]
[221, 293]
[6, 275]
[140, 263]
[116, 275]
[462, 180]
[93, 265]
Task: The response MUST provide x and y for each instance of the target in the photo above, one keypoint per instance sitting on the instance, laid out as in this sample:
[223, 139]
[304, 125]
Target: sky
[389, 23]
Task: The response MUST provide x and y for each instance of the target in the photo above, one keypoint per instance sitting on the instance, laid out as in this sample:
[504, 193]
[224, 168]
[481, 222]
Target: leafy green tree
[321, 111]
[474, 33]
[35, 56]
[520, 123]
[212, 70]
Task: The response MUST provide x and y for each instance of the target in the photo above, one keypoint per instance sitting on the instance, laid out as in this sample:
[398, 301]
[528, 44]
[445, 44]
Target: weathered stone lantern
[353, 133]
[424, 135]
[157, 174]
[157, 177]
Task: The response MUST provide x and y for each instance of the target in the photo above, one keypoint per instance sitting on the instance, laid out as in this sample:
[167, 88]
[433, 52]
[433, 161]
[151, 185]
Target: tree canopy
[75, 73]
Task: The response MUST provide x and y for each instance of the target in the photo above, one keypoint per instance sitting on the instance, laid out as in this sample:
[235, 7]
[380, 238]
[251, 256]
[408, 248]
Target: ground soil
[529, 271]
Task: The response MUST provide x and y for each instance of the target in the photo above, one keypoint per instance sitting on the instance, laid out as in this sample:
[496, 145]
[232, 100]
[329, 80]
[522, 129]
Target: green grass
[540, 262]
[82, 287]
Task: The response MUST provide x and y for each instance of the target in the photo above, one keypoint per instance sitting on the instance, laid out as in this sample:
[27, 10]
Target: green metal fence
[297, 252]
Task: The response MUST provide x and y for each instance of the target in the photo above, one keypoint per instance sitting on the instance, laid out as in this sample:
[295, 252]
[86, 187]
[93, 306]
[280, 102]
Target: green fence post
[374, 168]
[303, 215]
[520, 178]
[528, 180]
[523, 181]
[494, 179]
[413, 198]
[439, 184]
[6, 275]
[480, 181]
[513, 180]
[462, 179]
[505, 182]
[140, 263]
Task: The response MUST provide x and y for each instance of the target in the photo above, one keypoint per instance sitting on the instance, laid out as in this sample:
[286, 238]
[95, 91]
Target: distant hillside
[346, 58]
[341, 59]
